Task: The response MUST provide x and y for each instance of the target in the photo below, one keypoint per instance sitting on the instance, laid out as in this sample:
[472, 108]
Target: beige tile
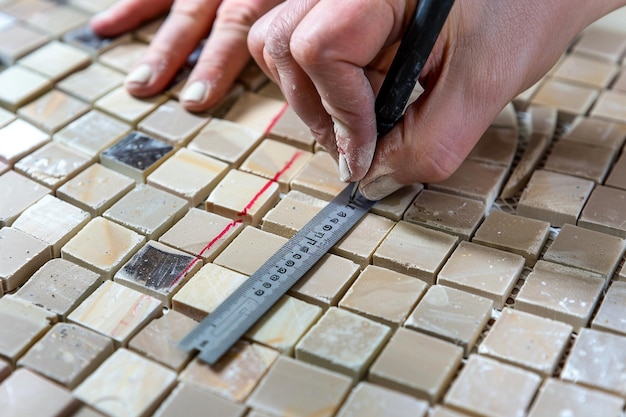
[369, 400]
[605, 369]
[604, 211]
[52, 221]
[580, 160]
[53, 110]
[124, 56]
[300, 389]
[58, 19]
[517, 234]
[543, 119]
[448, 213]
[470, 393]
[55, 60]
[20, 85]
[343, 342]
[395, 205]
[255, 111]
[581, 69]
[201, 233]
[383, 295]
[289, 128]
[276, 161]
[121, 104]
[102, 255]
[611, 316]
[249, 250]
[235, 375]
[25, 9]
[189, 175]
[586, 249]
[291, 213]
[67, 354]
[24, 192]
[158, 270]
[147, 210]
[159, 340]
[360, 243]
[192, 401]
[227, 141]
[555, 198]
[507, 118]
[20, 256]
[95, 189]
[494, 272]
[452, 315]
[6, 117]
[319, 178]
[600, 43]
[526, 340]
[17, 391]
[116, 311]
[610, 106]
[439, 411]
[91, 83]
[561, 398]
[206, 290]
[496, 146]
[284, 324]
[617, 177]
[172, 123]
[113, 388]
[414, 250]
[416, 364]
[17, 40]
[560, 293]
[86, 39]
[596, 132]
[327, 281]
[243, 196]
[22, 325]
[59, 286]
[569, 98]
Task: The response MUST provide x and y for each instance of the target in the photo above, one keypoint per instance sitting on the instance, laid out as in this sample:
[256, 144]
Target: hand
[330, 58]
[189, 21]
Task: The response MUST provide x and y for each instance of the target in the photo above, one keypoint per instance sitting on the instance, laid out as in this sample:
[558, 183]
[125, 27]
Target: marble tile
[560, 293]
[201, 234]
[172, 123]
[95, 189]
[113, 389]
[192, 401]
[605, 371]
[25, 9]
[24, 192]
[92, 133]
[255, 111]
[67, 354]
[55, 60]
[610, 106]
[360, 243]
[91, 83]
[370, 400]
[448, 213]
[20, 85]
[494, 272]
[189, 175]
[147, 210]
[496, 146]
[580, 160]
[57, 20]
[558, 398]
[116, 311]
[604, 211]
[53, 221]
[508, 232]
[227, 141]
[243, 196]
[20, 256]
[290, 129]
[453, 315]
[601, 43]
[159, 340]
[121, 104]
[105, 255]
[319, 178]
[235, 375]
[581, 69]
[19, 389]
[395, 205]
[611, 316]
[17, 40]
[85, 38]
[284, 324]
[617, 177]
[123, 57]
[596, 132]
[157, 270]
[555, 198]
[416, 364]
[53, 110]
[383, 295]
[586, 249]
[415, 250]
[470, 394]
[569, 98]
[300, 389]
[343, 342]
[291, 213]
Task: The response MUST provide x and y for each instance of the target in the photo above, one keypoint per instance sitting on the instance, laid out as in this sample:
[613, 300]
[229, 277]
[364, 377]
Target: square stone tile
[569, 98]
[611, 316]
[581, 69]
[580, 160]
[6, 117]
[496, 146]
[601, 43]
[58, 19]
[121, 104]
[56, 60]
[172, 123]
[255, 111]
[396, 204]
[17, 40]
[25, 9]
[20, 256]
[596, 132]
[605, 211]
[91, 83]
[370, 400]
[319, 178]
[123, 57]
[192, 401]
[360, 243]
[291, 213]
[617, 177]
[53, 110]
[24, 192]
[290, 129]
[611, 106]
[31, 138]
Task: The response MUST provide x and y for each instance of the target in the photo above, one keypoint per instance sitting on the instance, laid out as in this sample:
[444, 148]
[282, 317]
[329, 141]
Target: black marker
[407, 65]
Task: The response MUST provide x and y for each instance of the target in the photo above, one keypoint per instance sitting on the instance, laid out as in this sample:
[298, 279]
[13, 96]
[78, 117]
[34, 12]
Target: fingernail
[139, 75]
[195, 92]
[344, 169]
[380, 188]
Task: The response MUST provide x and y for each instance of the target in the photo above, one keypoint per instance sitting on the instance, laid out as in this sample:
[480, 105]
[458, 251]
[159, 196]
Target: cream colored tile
[53, 110]
[291, 213]
[55, 60]
[121, 104]
[416, 364]
[395, 205]
[20, 85]
[113, 388]
[580, 160]
[414, 250]
[192, 401]
[585, 70]
[91, 83]
[596, 132]
[6, 117]
[604, 211]
[569, 98]
[102, 255]
[290, 129]
[24, 192]
[58, 19]
[255, 111]
[360, 243]
[20, 256]
[23, 10]
[85, 38]
[507, 118]
[17, 40]
[612, 312]
[319, 178]
[249, 250]
[601, 43]
[610, 106]
[369, 400]
[439, 411]
[172, 123]
[496, 146]
[124, 56]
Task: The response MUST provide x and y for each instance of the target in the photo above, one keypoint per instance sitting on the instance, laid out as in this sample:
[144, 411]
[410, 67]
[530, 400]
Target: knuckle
[308, 50]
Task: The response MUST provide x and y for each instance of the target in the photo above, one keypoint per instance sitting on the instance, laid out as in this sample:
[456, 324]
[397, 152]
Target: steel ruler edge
[223, 327]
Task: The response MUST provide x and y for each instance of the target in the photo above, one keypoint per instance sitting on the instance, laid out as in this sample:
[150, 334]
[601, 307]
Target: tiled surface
[448, 300]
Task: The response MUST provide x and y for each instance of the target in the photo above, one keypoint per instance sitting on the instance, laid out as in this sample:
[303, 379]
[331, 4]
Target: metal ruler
[231, 319]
